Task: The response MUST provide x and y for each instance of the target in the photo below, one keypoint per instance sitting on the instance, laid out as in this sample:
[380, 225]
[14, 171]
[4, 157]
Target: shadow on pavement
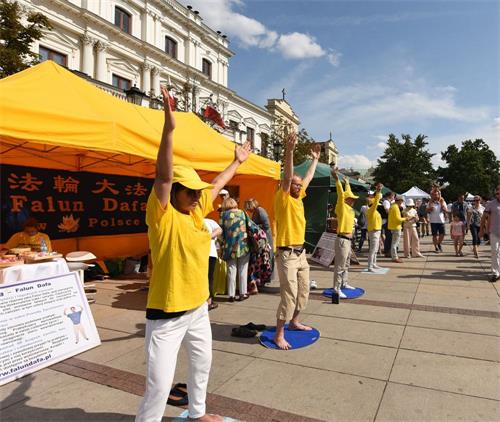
[21, 411]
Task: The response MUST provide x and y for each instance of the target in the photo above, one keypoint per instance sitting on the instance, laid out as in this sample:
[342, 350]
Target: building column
[146, 78]
[155, 84]
[101, 71]
[87, 55]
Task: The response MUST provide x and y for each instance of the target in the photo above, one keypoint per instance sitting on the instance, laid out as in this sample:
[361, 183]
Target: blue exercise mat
[350, 293]
[296, 338]
[377, 272]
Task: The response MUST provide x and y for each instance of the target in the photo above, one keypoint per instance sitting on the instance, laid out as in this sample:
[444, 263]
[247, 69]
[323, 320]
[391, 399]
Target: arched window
[206, 68]
[123, 20]
[171, 47]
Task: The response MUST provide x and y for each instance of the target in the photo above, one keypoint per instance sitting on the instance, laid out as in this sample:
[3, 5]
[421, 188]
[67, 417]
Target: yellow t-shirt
[290, 218]
[180, 247]
[394, 220]
[345, 213]
[22, 240]
[373, 216]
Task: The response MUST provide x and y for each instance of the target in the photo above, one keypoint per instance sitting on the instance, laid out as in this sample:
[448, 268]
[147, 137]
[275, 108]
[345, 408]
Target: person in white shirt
[216, 231]
[437, 210]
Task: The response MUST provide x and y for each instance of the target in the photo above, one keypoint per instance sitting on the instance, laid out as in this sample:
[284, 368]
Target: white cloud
[221, 15]
[356, 161]
[299, 46]
[381, 145]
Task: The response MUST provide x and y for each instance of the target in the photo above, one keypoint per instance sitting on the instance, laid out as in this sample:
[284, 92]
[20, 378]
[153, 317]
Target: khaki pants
[293, 272]
[411, 242]
[342, 261]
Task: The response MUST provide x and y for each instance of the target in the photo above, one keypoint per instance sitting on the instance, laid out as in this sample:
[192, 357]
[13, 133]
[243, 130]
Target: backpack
[260, 266]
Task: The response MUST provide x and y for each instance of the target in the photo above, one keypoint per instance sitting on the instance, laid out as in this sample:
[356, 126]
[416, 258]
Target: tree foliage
[405, 163]
[474, 168]
[16, 37]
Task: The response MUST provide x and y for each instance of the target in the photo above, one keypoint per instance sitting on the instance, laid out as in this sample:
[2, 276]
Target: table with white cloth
[38, 271]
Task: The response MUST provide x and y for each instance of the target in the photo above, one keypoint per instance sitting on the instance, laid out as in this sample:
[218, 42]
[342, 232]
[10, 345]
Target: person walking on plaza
[423, 218]
[362, 222]
[345, 216]
[410, 236]
[394, 224]
[437, 210]
[293, 269]
[474, 215]
[177, 309]
[215, 231]
[490, 223]
[384, 211]
[457, 233]
[374, 220]
[235, 247]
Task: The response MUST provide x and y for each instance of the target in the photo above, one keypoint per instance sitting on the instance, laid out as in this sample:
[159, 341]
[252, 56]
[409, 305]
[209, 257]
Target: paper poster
[43, 322]
[324, 252]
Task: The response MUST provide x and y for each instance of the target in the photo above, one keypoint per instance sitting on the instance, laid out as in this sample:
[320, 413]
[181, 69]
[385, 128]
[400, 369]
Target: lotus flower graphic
[69, 224]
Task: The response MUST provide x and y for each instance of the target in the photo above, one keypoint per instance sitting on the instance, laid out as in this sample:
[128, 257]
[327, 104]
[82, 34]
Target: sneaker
[494, 278]
[342, 295]
[348, 287]
[313, 285]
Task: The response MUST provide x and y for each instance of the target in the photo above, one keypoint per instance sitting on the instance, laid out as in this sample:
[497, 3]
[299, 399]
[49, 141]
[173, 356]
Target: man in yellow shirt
[30, 237]
[177, 309]
[293, 269]
[374, 228]
[395, 224]
[345, 219]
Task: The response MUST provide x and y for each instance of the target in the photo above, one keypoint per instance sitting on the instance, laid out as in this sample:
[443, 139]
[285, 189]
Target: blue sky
[364, 69]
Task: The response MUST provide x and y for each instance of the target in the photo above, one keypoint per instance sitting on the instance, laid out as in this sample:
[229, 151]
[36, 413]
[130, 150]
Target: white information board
[324, 252]
[43, 322]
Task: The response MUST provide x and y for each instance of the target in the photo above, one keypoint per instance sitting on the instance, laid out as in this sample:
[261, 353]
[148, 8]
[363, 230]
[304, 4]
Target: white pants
[495, 254]
[342, 262]
[238, 266]
[396, 237]
[374, 238]
[163, 340]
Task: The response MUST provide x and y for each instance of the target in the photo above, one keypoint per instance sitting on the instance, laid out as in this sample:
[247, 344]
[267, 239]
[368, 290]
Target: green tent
[320, 193]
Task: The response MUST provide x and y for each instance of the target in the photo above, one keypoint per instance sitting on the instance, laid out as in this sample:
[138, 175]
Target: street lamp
[134, 95]
[277, 149]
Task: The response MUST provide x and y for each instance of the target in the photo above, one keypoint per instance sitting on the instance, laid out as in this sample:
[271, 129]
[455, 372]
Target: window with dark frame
[251, 136]
[48, 54]
[123, 20]
[121, 83]
[206, 68]
[264, 142]
[171, 47]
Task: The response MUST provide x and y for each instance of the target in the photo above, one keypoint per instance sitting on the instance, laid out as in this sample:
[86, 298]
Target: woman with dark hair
[177, 310]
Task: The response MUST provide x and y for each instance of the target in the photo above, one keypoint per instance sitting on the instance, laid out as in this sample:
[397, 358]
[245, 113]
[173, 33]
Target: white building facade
[119, 44]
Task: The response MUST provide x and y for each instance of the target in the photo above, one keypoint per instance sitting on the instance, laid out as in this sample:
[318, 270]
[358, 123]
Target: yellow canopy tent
[51, 118]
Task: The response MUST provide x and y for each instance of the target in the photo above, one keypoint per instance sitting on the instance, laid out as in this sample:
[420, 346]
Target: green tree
[405, 163]
[17, 37]
[473, 168]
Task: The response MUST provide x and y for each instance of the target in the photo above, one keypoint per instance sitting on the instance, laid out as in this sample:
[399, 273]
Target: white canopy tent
[415, 193]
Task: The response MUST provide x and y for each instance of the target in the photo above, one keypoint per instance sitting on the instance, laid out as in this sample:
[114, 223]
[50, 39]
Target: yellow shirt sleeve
[13, 241]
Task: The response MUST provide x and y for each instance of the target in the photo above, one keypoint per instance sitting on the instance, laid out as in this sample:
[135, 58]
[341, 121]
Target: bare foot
[298, 326]
[282, 343]
[208, 418]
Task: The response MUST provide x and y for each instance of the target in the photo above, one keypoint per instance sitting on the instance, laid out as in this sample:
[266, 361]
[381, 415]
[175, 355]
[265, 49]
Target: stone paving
[421, 345]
